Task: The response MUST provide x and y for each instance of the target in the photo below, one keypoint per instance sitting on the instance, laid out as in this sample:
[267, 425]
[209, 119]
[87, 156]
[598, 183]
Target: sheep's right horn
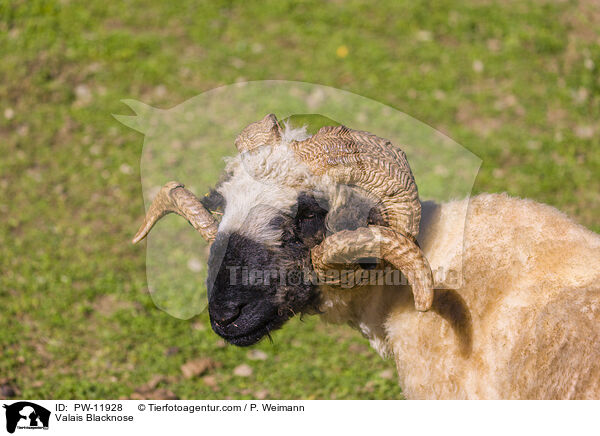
[347, 246]
[173, 197]
[372, 163]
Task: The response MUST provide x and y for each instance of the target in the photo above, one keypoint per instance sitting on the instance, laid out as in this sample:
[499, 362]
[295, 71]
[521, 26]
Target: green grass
[515, 82]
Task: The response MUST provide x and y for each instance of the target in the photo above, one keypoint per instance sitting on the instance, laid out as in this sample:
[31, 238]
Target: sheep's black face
[254, 288]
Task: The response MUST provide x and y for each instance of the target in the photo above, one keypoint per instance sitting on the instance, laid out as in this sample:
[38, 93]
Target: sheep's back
[531, 281]
[557, 354]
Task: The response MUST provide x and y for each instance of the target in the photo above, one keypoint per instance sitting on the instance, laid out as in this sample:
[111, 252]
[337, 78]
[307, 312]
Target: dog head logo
[26, 415]
[187, 143]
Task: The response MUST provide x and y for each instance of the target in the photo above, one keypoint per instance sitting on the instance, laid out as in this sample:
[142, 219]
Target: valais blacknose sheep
[522, 321]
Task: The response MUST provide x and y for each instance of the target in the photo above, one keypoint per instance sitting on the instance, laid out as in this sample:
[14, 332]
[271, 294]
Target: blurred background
[515, 82]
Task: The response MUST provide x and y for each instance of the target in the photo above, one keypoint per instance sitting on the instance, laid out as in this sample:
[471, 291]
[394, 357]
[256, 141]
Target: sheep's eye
[310, 220]
[308, 207]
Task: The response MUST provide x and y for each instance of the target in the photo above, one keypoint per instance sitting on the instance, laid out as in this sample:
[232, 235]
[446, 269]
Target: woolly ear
[141, 120]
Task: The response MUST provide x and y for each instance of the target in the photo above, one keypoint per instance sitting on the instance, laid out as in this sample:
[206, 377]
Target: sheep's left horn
[173, 197]
[348, 246]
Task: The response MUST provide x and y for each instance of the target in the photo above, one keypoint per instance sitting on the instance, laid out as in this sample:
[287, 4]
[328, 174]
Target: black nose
[233, 263]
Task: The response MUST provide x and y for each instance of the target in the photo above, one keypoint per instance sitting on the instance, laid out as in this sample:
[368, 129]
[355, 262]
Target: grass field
[516, 82]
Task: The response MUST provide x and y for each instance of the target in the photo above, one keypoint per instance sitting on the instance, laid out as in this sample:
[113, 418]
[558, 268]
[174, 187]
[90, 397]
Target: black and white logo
[26, 415]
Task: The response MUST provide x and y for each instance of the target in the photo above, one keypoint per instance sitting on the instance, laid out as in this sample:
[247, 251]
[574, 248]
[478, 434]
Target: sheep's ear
[141, 120]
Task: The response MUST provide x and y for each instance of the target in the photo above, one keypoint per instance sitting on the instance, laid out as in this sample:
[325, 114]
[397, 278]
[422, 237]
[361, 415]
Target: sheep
[522, 322]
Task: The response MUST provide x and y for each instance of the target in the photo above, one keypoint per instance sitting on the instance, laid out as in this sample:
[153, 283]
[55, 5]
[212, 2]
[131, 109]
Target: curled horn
[348, 246]
[173, 197]
[364, 160]
[371, 163]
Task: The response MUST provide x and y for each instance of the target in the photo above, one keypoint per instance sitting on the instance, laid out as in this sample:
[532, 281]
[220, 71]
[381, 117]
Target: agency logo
[188, 142]
[26, 415]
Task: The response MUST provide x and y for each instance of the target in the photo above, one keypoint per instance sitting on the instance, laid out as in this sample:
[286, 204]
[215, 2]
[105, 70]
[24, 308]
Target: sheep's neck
[373, 310]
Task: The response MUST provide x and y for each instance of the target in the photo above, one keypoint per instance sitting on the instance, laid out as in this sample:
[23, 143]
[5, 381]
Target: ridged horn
[362, 159]
[173, 197]
[348, 246]
[372, 163]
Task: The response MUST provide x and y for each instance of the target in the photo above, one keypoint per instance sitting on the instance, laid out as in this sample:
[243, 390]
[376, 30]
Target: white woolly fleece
[264, 182]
